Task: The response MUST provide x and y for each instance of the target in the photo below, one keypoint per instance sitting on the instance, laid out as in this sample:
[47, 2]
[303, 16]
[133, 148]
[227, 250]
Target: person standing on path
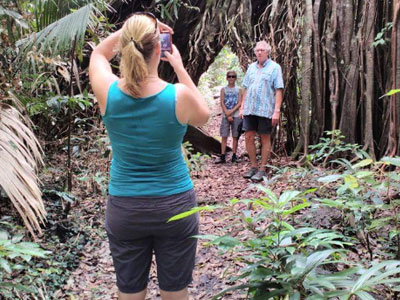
[146, 119]
[261, 107]
[231, 100]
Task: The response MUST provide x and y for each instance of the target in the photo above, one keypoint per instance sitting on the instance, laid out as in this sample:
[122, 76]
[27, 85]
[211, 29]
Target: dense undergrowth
[331, 232]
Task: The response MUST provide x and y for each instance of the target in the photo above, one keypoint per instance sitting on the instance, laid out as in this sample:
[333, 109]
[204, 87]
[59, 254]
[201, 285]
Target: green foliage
[195, 161]
[363, 194]
[16, 260]
[392, 92]
[380, 39]
[170, 8]
[191, 212]
[59, 27]
[215, 76]
[333, 146]
[284, 260]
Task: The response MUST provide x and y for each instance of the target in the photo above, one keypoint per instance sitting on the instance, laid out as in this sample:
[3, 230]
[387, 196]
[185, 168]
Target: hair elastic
[136, 45]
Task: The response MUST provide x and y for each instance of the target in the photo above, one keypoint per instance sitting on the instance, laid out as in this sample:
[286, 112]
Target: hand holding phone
[166, 42]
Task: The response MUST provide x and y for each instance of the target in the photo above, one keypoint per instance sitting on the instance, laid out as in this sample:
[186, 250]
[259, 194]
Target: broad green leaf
[191, 212]
[206, 236]
[260, 273]
[363, 174]
[316, 259]
[373, 271]
[331, 203]
[299, 231]
[295, 296]
[330, 178]
[3, 235]
[395, 161]
[364, 295]
[363, 163]
[379, 223]
[392, 92]
[271, 195]
[288, 196]
[5, 265]
[226, 241]
[17, 238]
[351, 181]
[287, 226]
[296, 208]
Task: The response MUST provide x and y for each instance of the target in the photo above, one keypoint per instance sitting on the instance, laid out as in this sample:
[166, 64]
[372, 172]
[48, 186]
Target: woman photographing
[146, 119]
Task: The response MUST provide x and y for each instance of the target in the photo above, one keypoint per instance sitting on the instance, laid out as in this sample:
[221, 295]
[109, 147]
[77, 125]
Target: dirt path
[95, 278]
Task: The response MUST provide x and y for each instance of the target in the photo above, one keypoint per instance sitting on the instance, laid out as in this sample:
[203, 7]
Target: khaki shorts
[227, 127]
[137, 228]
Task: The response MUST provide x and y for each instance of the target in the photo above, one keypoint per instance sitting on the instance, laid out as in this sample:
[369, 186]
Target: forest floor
[217, 184]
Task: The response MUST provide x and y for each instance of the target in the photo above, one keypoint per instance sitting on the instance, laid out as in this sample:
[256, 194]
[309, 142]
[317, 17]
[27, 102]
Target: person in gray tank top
[231, 100]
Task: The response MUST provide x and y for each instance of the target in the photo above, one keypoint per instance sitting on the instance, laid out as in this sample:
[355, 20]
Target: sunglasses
[148, 14]
[231, 76]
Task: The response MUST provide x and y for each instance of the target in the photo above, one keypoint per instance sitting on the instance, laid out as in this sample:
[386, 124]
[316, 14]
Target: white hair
[266, 45]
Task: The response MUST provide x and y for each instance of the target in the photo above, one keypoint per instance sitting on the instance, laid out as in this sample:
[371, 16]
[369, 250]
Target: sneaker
[250, 173]
[235, 159]
[220, 160]
[257, 177]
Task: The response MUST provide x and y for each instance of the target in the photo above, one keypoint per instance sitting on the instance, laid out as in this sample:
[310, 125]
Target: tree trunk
[351, 79]
[370, 70]
[394, 131]
[330, 49]
[318, 112]
[306, 74]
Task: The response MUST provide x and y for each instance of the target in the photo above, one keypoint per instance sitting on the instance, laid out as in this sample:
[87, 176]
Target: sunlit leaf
[191, 212]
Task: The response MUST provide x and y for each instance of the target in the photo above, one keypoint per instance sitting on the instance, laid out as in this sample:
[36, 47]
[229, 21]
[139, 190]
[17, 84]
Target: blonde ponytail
[137, 43]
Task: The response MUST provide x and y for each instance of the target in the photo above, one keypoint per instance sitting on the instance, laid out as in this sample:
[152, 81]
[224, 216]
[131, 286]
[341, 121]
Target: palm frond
[13, 15]
[20, 156]
[60, 35]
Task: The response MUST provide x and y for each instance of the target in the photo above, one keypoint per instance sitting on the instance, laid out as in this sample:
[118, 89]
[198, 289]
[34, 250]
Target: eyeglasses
[148, 14]
[260, 50]
[231, 76]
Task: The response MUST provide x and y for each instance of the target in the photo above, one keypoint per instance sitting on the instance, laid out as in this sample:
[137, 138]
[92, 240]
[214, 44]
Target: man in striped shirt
[263, 95]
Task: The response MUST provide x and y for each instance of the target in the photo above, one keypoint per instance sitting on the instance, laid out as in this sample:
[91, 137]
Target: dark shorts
[227, 127]
[255, 123]
[137, 227]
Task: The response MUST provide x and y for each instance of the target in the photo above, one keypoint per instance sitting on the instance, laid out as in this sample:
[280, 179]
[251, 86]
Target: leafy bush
[17, 276]
[367, 198]
[333, 146]
[194, 161]
[284, 260]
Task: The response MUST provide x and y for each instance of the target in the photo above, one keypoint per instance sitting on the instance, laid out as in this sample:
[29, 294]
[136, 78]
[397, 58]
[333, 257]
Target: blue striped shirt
[261, 85]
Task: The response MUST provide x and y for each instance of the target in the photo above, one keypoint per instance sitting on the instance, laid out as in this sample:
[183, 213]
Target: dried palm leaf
[20, 156]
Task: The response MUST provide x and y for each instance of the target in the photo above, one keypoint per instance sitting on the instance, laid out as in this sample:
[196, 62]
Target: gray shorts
[226, 127]
[137, 227]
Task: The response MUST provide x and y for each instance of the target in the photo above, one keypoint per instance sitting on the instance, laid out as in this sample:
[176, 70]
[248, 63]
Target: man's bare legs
[136, 296]
[251, 147]
[265, 150]
[179, 295]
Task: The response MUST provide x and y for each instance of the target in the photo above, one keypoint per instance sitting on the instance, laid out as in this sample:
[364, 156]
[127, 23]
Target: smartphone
[166, 42]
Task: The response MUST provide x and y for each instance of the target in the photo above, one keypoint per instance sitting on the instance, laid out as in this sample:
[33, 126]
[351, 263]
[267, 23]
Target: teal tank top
[146, 139]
